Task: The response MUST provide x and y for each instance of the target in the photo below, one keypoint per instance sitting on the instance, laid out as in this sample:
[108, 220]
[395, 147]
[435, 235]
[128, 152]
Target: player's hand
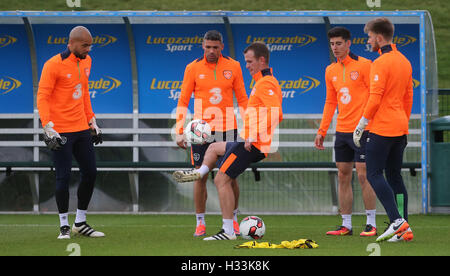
[52, 138]
[181, 142]
[359, 130]
[248, 145]
[318, 142]
[96, 133]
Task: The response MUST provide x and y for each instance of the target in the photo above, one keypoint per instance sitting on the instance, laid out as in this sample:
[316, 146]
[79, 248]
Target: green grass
[171, 235]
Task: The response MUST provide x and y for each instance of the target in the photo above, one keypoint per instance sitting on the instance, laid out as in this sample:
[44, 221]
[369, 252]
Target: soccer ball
[252, 227]
[198, 132]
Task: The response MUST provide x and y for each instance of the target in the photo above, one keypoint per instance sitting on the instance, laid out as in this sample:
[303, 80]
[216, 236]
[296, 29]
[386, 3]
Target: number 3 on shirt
[78, 92]
[216, 98]
[345, 97]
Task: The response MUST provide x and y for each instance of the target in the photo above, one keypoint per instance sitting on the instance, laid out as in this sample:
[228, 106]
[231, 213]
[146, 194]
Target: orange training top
[63, 94]
[391, 93]
[212, 85]
[264, 111]
[347, 83]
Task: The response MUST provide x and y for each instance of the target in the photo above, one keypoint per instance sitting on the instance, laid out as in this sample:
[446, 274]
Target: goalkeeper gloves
[52, 138]
[96, 133]
[358, 132]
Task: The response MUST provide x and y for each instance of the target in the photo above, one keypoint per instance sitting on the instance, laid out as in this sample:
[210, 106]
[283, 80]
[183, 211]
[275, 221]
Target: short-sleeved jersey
[391, 93]
[212, 85]
[63, 94]
[264, 111]
[347, 83]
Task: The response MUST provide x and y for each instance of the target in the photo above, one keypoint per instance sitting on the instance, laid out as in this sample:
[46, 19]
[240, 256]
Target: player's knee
[89, 175]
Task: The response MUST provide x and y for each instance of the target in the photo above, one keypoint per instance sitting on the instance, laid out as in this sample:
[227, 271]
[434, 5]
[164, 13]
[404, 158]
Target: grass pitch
[171, 235]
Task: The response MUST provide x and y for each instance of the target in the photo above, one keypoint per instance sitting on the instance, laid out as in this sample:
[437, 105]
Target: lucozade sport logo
[8, 84]
[175, 43]
[98, 40]
[6, 40]
[103, 85]
[283, 43]
[292, 88]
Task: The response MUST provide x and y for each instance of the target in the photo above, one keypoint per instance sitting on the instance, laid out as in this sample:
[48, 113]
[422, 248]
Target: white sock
[228, 226]
[371, 214]
[81, 216]
[203, 170]
[200, 219]
[64, 219]
[347, 221]
[235, 213]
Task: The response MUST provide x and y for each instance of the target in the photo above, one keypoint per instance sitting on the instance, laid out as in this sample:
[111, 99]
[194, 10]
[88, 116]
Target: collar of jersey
[263, 73]
[206, 62]
[69, 56]
[387, 48]
[349, 58]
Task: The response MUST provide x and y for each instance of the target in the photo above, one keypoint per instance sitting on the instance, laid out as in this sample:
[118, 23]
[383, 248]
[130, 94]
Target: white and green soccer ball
[198, 132]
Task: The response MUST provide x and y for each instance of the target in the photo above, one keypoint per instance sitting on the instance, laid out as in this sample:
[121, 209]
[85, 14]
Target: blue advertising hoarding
[110, 84]
[298, 56]
[16, 83]
[163, 51]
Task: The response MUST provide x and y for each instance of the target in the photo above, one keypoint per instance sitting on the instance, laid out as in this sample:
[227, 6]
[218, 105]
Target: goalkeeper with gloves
[70, 127]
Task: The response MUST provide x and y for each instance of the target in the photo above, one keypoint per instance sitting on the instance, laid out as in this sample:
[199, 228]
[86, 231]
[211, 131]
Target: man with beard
[388, 110]
[69, 126]
[212, 78]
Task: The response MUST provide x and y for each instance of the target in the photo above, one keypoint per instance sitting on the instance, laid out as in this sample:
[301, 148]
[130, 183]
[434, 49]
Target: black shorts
[345, 149]
[198, 151]
[237, 159]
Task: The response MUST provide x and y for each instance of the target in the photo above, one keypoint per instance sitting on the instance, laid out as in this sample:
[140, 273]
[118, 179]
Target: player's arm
[45, 91]
[183, 102]
[378, 78]
[87, 99]
[96, 133]
[328, 112]
[239, 90]
[408, 99]
[377, 88]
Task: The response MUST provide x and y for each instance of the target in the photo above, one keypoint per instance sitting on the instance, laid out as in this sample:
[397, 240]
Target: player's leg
[200, 191]
[377, 151]
[83, 151]
[369, 197]
[62, 160]
[236, 192]
[200, 197]
[215, 150]
[345, 195]
[394, 177]
[235, 161]
[344, 155]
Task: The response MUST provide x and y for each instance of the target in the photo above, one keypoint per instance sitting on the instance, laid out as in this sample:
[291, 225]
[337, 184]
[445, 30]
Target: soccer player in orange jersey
[388, 110]
[70, 127]
[347, 82]
[212, 78]
[262, 116]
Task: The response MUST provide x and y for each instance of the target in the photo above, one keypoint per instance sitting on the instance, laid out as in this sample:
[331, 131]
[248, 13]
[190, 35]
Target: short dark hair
[213, 35]
[259, 49]
[339, 32]
[382, 26]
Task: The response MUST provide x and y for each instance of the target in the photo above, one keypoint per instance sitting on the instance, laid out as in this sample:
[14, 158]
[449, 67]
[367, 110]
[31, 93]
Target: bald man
[70, 127]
